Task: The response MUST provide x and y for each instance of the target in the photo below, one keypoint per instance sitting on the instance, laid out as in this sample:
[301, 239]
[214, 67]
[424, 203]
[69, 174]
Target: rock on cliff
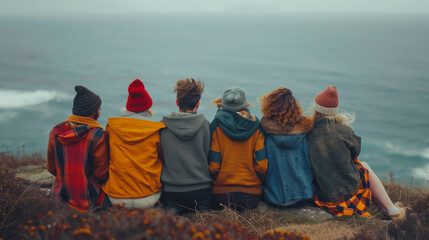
[35, 173]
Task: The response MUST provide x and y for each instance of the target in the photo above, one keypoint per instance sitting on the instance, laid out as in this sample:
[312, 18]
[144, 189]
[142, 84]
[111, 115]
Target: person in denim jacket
[289, 177]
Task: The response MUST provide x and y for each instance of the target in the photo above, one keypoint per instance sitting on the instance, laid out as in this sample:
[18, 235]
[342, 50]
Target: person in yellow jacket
[135, 160]
[237, 158]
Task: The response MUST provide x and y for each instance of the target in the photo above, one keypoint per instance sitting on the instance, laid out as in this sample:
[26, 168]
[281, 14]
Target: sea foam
[7, 115]
[425, 153]
[407, 152]
[11, 99]
[422, 172]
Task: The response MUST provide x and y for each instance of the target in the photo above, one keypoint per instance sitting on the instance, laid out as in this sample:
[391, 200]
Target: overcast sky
[95, 7]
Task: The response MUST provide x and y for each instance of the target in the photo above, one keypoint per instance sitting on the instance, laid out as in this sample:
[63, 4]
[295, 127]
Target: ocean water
[379, 63]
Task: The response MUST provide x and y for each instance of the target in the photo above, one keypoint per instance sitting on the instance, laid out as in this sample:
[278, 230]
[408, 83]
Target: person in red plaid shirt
[78, 153]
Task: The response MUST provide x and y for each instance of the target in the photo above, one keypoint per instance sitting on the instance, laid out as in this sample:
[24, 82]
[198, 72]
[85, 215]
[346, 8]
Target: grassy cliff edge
[28, 211]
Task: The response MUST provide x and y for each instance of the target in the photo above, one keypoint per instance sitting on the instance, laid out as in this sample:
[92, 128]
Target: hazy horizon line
[90, 15]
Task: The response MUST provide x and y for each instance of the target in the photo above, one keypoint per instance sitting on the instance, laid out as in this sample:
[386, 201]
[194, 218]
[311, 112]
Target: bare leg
[380, 197]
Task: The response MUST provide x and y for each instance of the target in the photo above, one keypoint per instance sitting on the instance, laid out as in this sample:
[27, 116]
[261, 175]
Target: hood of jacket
[70, 132]
[287, 141]
[184, 125]
[289, 136]
[235, 126]
[132, 130]
[271, 126]
[74, 129]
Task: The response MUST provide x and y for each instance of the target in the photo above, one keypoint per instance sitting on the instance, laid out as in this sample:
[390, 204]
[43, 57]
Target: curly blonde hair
[280, 105]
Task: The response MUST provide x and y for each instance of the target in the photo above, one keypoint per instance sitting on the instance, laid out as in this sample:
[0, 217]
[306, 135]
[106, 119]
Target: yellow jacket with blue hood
[238, 160]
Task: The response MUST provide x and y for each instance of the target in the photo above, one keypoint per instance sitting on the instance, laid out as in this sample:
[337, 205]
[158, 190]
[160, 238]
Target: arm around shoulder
[101, 158]
[260, 156]
[215, 157]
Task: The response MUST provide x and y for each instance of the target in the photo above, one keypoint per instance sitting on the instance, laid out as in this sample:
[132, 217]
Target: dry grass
[255, 222]
[339, 228]
[414, 226]
[327, 230]
[407, 195]
[10, 159]
[349, 227]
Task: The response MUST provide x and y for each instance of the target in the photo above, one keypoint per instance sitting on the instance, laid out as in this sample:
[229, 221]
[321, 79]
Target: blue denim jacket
[289, 177]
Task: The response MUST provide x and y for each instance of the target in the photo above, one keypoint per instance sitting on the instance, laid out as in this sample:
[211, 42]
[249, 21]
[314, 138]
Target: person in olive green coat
[344, 185]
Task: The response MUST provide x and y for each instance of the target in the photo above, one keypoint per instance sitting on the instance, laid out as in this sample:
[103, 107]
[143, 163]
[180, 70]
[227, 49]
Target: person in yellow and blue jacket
[237, 158]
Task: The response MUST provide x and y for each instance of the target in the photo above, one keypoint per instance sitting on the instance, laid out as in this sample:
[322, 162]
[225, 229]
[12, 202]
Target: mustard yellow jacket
[238, 159]
[135, 163]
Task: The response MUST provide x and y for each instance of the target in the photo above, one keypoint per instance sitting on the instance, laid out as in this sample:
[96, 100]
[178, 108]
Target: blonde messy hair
[341, 118]
[149, 112]
[188, 93]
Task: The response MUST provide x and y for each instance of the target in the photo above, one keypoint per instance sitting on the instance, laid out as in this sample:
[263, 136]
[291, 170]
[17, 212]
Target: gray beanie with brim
[234, 99]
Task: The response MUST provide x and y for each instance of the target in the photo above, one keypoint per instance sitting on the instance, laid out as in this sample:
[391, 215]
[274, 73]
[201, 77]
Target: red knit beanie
[327, 101]
[138, 98]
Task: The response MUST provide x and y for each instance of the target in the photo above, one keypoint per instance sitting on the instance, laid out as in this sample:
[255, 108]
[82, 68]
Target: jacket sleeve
[101, 158]
[50, 163]
[206, 140]
[215, 158]
[160, 153]
[260, 162]
[353, 144]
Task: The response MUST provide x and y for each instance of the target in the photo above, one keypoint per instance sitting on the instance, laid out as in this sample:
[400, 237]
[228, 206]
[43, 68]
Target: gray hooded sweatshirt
[185, 146]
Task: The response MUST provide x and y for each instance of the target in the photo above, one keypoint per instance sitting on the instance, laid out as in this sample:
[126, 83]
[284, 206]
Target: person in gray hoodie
[185, 145]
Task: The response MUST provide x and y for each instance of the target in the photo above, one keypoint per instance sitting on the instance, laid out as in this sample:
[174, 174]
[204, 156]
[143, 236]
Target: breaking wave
[422, 172]
[407, 152]
[11, 99]
[425, 153]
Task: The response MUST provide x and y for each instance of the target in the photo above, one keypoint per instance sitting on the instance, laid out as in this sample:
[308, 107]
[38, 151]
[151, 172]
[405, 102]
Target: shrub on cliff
[28, 212]
[123, 223]
[20, 201]
[414, 226]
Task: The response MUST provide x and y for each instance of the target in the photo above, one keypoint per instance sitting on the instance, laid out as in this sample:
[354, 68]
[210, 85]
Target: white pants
[146, 202]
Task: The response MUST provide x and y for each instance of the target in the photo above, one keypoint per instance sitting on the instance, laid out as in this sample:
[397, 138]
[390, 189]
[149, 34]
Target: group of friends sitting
[186, 163]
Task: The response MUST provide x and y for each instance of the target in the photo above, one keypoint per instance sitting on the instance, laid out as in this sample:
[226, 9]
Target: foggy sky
[28, 8]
